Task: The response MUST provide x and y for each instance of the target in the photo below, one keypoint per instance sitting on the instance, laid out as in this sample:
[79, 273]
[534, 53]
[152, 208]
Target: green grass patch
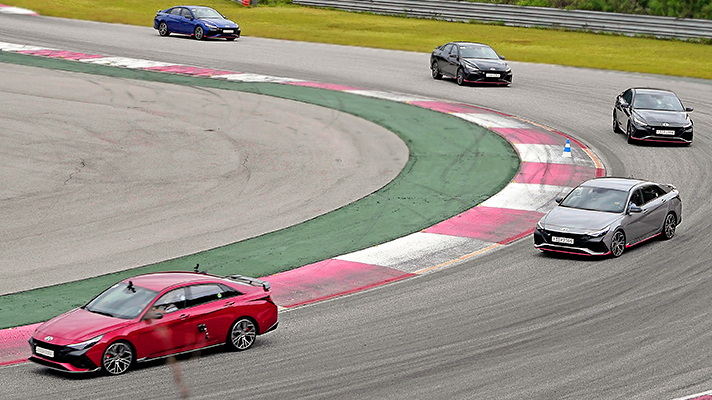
[551, 46]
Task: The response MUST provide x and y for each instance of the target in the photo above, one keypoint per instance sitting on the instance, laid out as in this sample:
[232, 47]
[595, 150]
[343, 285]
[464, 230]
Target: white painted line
[131, 63]
[553, 154]
[402, 98]
[416, 251]
[527, 196]
[16, 10]
[493, 120]
[19, 47]
[255, 78]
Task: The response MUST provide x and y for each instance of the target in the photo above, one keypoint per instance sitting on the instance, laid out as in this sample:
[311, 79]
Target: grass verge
[578, 49]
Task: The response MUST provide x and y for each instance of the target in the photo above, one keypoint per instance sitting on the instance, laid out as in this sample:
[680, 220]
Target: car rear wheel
[618, 243]
[117, 358]
[435, 70]
[460, 77]
[242, 334]
[163, 29]
[199, 33]
[616, 128]
[669, 226]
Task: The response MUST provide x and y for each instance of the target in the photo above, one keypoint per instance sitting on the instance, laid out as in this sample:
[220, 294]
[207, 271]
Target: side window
[651, 193]
[447, 48]
[186, 13]
[455, 51]
[637, 198]
[628, 96]
[175, 11]
[171, 301]
[201, 294]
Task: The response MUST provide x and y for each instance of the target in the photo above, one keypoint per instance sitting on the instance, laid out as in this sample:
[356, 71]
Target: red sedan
[153, 316]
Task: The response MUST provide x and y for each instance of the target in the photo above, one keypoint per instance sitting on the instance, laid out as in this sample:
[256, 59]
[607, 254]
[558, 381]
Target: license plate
[665, 132]
[490, 75]
[228, 31]
[44, 352]
[564, 240]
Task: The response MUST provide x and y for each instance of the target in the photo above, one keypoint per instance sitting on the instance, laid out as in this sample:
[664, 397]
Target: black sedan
[652, 115]
[197, 21]
[470, 62]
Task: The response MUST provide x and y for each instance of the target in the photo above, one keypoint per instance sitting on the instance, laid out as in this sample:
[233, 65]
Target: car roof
[613, 183]
[470, 43]
[652, 90]
[161, 280]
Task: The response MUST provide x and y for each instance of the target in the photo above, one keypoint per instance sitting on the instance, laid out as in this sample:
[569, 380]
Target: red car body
[153, 316]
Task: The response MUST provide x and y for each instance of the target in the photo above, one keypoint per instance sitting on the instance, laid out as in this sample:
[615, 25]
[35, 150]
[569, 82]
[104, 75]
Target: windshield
[122, 301]
[206, 13]
[596, 199]
[478, 52]
[657, 101]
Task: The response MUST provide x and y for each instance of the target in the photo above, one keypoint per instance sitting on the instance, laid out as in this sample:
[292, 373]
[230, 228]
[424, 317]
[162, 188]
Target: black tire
[199, 33]
[460, 77]
[118, 358]
[669, 225]
[163, 29]
[230, 39]
[616, 128]
[628, 131]
[242, 334]
[435, 70]
[618, 243]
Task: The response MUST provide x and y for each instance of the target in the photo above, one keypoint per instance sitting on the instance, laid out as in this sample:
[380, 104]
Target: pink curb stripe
[530, 136]
[554, 174]
[490, 224]
[69, 55]
[327, 279]
[13, 344]
[446, 107]
[182, 69]
[330, 86]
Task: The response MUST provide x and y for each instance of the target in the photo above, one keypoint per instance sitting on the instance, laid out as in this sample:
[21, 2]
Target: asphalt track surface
[506, 325]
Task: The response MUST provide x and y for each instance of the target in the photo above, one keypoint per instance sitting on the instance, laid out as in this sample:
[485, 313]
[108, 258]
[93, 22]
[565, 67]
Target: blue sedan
[197, 21]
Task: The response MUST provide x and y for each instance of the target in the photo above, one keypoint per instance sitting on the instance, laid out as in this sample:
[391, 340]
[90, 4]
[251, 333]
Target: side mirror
[635, 208]
[689, 109]
[502, 58]
[559, 199]
[623, 103]
[153, 315]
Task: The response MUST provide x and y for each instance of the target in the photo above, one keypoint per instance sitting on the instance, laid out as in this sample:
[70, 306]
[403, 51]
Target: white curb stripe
[130, 63]
[492, 120]
[19, 47]
[255, 78]
[402, 98]
[552, 154]
[16, 10]
[527, 197]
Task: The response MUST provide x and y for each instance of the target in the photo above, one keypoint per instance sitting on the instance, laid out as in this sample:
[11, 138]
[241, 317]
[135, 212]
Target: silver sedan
[605, 216]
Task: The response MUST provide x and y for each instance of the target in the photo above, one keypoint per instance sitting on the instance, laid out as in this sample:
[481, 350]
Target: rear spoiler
[250, 281]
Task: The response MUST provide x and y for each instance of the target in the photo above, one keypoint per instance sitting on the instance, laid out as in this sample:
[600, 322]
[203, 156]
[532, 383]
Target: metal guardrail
[595, 21]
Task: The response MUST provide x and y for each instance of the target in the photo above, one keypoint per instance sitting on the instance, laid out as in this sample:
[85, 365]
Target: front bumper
[65, 358]
[490, 77]
[650, 134]
[221, 32]
[582, 244]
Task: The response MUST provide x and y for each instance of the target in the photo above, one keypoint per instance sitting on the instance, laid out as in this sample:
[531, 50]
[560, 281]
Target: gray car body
[637, 222]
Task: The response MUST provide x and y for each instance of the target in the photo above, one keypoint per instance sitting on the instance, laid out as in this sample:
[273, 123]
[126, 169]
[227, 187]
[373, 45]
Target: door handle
[184, 316]
[229, 303]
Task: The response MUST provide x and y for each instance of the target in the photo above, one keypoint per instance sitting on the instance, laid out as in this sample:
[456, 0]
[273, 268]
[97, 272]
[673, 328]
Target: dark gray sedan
[605, 216]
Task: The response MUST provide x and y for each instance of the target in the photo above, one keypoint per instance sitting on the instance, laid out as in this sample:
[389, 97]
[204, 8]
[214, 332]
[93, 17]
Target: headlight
[688, 124]
[210, 25]
[599, 233]
[508, 69]
[87, 344]
[639, 121]
[473, 67]
[540, 226]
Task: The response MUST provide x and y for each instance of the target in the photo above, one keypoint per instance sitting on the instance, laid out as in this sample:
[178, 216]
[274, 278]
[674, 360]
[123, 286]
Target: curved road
[506, 325]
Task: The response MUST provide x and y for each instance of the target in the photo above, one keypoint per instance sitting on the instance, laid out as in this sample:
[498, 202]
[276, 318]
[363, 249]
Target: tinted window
[476, 51]
[637, 198]
[651, 193]
[175, 11]
[171, 301]
[206, 13]
[596, 199]
[186, 13]
[122, 301]
[454, 51]
[663, 101]
[628, 96]
[447, 48]
[201, 294]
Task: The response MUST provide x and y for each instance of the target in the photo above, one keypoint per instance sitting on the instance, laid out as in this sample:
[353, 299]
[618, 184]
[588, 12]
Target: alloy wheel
[199, 33]
[460, 77]
[242, 334]
[117, 358]
[669, 226]
[435, 70]
[618, 244]
[163, 29]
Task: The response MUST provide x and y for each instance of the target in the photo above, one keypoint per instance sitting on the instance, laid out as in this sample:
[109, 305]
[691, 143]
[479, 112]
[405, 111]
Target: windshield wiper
[102, 313]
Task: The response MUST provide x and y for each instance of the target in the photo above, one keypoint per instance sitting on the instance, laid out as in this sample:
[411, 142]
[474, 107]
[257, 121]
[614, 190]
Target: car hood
[76, 326]
[577, 221]
[487, 65]
[654, 117]
[220, 23]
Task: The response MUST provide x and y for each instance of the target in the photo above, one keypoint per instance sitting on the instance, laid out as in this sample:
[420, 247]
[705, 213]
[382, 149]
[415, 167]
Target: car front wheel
[435, 70]
[460, 77]
[618, 243]
[629, 132]
[163, 29]
[117, 358]
[616, 128]
[199, 33]
[242, 334]
[669, 226]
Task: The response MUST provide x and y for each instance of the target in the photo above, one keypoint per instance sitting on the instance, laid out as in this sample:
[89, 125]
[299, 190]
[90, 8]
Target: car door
[441, 57]
[156, 337]
[212, 313]
[453, 60]
[634, 222]
[623, 109]
[173, 19]
[655, 208]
